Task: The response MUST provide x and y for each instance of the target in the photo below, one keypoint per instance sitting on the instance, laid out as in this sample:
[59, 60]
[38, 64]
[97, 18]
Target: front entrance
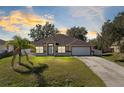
[50, 49]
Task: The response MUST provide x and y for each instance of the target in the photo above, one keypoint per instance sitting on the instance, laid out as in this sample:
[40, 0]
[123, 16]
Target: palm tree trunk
[15, 51]
[27, 57]
[13, 59]
[20, 55]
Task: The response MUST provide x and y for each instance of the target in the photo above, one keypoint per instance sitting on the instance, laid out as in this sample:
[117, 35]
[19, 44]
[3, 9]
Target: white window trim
[39, 49]
[61, 50]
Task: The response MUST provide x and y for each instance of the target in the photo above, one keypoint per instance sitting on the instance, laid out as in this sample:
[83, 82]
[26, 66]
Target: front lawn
[62, 71]
[114, 57]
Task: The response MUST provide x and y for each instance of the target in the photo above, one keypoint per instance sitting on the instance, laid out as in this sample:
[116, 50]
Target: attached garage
[80, 51]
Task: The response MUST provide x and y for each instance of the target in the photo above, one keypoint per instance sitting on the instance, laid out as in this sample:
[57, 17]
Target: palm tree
[19, 44]
[23, 43]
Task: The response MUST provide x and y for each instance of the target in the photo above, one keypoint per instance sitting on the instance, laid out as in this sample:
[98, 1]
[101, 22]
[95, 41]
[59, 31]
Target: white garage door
[80, 51]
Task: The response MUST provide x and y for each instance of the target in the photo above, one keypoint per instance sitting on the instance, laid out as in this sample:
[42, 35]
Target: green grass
[62, 71]
[114, 57]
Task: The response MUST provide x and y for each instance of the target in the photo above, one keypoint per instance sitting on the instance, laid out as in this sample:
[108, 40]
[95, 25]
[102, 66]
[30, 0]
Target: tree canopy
[77, 32]
[19, 44]
[112, 31]
[43, 31]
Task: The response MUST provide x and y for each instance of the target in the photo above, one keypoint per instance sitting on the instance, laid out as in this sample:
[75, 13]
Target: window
[39, 49]
[61, 49]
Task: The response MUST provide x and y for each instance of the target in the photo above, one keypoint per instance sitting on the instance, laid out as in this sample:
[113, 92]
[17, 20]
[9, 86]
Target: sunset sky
[19, 20]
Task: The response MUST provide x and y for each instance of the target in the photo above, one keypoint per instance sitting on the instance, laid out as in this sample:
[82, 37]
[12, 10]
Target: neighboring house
[115, 46]
[2, 45]
[62, 45]
[28, 51]
[10, 48]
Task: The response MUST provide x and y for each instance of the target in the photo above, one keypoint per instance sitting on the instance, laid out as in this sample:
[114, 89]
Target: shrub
[5, 54]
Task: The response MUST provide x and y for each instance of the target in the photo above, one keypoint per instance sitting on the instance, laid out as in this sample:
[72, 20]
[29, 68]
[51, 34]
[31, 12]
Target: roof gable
[2, 42]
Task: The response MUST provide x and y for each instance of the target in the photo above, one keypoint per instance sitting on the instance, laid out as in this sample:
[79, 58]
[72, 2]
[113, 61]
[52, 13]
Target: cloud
[29, 7]
[91, 34]
[63, 30]
[5, 24]
[18, 20]
[89, 13]
[48, 16]
[20, 23]
[94, 16]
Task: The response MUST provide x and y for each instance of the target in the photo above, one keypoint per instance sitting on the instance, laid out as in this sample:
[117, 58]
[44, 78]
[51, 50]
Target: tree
[41, 32]
[118, 23]
[122, 47]
[28, 69]
[112, 31]
[77, 32]
[93, 42]
[97, 42]
[107, 34]
[19, 44]
[119, 28]
[100, 42]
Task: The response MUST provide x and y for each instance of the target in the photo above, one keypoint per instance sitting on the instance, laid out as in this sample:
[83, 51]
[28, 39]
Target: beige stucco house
[115, 46]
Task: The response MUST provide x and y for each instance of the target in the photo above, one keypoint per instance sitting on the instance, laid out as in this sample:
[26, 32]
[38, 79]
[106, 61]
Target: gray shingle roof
[2, 42]
[62, 40]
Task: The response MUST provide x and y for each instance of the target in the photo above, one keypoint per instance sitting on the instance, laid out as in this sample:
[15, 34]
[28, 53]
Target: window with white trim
[39, 49]
[61, 49]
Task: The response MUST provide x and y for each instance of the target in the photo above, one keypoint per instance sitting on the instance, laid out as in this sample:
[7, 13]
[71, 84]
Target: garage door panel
[80, 51]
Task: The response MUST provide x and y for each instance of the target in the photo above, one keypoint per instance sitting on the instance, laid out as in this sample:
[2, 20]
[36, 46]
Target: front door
[50, 49]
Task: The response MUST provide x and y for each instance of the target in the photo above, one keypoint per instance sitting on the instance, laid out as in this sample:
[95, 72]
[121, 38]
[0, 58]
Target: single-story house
[62, 45]
[3, 46]
[115, 46]
[2, 43]
[10, 48]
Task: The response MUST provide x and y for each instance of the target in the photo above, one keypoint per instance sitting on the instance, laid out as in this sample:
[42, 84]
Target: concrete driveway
[111, 73]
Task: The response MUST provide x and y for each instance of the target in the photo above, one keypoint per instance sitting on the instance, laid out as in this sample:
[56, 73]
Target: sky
[18, 20]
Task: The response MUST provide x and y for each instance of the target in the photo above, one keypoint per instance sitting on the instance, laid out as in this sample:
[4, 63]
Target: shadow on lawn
[37, 71]
[120, 60]
[107, 54]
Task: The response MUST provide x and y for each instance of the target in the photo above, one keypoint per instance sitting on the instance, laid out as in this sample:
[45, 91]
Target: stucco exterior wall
[116, 49]
[67, 53]
[68, 50]
[2, 47]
